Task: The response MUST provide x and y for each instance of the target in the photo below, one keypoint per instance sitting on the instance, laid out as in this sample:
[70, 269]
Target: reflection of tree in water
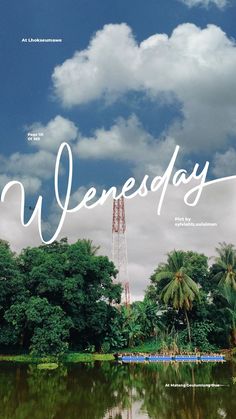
[187, 403]
[31, 393]
[84, 391]
[94, 391]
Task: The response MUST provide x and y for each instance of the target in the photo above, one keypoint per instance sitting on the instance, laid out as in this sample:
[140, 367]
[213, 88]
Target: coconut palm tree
[179, 290]
[90, 247]
[230, 295]
[225, 265]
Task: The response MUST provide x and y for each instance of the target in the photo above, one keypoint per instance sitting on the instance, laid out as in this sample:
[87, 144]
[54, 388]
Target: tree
[224, 268]
[196, 266]
[11, 290]
[229, 294]
[178, 289]
[78, 281]
[43, 327]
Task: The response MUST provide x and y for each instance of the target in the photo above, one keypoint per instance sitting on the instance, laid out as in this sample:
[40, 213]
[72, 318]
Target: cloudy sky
[127, 84]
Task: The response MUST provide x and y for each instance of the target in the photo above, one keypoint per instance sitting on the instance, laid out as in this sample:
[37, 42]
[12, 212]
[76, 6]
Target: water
[109, 390]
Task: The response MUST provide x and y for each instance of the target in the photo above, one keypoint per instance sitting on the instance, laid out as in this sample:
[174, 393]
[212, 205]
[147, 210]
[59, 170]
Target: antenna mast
[119, 248]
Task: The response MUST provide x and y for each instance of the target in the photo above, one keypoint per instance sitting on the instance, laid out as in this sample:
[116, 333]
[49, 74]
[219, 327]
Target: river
[109, 390]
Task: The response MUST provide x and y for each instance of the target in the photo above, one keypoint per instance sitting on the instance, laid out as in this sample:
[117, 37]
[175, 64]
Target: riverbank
[73, 357]
[78, 357]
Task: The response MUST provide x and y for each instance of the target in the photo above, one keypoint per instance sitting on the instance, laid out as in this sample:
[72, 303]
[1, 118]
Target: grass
[48, 366]
[75, 357]
[27, 358]
[72, 357]
[146, 347]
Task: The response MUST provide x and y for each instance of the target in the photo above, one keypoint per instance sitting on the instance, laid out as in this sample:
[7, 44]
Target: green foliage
[207, 305]
[234, 352]
[56, 296]
[82, 357]
[49, 366]
[200, 337]
[224, 269]
[196, 267]
[105, 348]
[229, 294]
[149, 346]
[68, 357]
[132, 326]
[179, 290]
[45, 325]
[61, 297]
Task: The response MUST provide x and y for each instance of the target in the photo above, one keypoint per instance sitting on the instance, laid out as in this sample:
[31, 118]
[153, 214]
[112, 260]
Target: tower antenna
[119, 248]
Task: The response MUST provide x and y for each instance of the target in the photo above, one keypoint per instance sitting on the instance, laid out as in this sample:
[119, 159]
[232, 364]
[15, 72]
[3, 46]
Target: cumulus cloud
[38, 164]
[149, 237]
[29, 168]
[205, 3]
[31, 184]
[225, 163]
[108, 65]
[128, 141]
[194, 65]
[10, 225]
[54, 133]
[34, 167]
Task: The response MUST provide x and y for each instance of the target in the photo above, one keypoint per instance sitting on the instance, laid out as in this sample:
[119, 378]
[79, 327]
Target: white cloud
[10, 225]
[149, 237]
[108, 65]
[205, 3]
[225, 163]
[31, 184]
[32, 168]
[127, 140]
[54, 133]
[38, 164]
[197, 66]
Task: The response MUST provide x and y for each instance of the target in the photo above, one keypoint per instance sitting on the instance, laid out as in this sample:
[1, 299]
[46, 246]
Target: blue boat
[186, 358]
[133, 358]
[212, 358]
[169, 358]
[159, 358]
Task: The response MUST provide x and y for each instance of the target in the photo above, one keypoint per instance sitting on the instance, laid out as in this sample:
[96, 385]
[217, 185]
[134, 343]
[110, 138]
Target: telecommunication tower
[119, 247]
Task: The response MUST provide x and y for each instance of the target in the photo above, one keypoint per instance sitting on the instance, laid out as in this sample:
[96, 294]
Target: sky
[129, 81]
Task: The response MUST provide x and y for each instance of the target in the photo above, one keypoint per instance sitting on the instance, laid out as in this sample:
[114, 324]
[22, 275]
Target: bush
[200, 337]
[105, 348]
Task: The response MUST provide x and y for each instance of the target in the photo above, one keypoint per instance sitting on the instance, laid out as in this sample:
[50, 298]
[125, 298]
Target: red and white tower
[119, 247]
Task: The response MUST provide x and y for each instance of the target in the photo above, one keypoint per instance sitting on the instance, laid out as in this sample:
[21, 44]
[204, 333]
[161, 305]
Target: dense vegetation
[62, 297]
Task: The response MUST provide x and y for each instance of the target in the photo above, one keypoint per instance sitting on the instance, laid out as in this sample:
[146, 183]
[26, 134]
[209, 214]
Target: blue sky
[28, 94]
[26, 70]
[159, 73]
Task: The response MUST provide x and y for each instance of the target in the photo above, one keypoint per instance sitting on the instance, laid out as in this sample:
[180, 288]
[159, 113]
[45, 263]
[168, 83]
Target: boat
[186, 358]
[171, 358]
[160, 358]
[212, 358]
[133, 358]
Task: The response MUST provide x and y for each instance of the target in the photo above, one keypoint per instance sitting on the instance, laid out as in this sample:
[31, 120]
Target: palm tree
[225, 266]
[90, 247]
[178, 289]
[230, 295]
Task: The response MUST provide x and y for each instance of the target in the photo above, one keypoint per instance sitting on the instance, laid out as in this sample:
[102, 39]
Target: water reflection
[108, 390]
